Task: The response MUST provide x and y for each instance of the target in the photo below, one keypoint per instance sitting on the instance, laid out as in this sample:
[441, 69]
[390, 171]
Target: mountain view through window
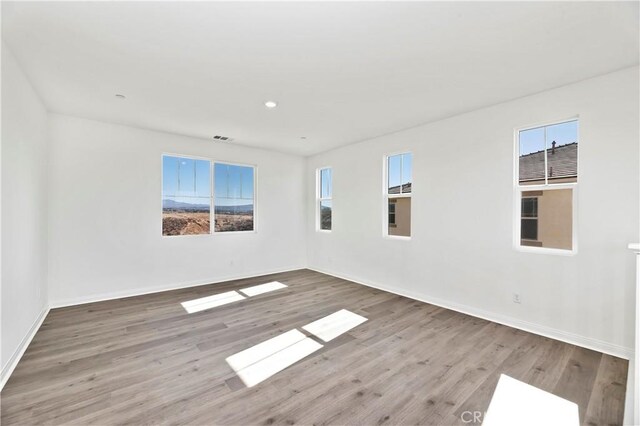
[187, 196]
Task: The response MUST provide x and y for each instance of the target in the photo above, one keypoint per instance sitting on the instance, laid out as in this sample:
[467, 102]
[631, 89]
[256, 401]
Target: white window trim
[519, 189]
[212, 208]
[319, 199]
[385, 197]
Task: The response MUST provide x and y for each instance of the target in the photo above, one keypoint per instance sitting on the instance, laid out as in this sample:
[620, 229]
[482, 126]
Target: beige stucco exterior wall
[555, 219]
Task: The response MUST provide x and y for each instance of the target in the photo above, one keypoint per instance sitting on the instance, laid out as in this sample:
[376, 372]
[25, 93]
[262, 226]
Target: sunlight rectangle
[263, 360]
[332, 326]
[262, 370]
[265, 349]
[209, 302]
[262, 288]
[515, 402]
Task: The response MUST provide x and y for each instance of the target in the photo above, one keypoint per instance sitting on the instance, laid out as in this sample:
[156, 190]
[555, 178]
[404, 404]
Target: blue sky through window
[400, 169]
[187, 180]
[533, 140]
[407, 168]
[394, 171]
[186, 183]
[326, 183]
[233, 185]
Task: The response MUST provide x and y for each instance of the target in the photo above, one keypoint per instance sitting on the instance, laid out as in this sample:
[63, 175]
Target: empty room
[320, 213]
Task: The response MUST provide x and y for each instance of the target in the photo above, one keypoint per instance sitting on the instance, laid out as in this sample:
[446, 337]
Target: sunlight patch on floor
[197, 305]
[518, 403]
[209, 302]
[332, 326]
[262, 288]
[265, 359]
[259, 362]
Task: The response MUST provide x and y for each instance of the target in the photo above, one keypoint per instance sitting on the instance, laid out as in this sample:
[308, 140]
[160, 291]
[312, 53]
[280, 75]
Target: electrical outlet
[516, 298]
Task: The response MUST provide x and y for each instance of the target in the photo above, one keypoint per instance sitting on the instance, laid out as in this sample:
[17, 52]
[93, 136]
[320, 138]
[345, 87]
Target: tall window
[187, 196]
[398, 194]
[325, 194]
[547, 176]
[233, 193]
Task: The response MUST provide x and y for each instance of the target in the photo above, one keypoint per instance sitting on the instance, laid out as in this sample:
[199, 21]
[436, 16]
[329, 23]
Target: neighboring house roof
[562, 162]
[406, 188]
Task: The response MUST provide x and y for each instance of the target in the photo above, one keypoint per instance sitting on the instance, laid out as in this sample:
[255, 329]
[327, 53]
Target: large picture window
[546, 184]
[398, 194]
[187, 196]
[325, 195]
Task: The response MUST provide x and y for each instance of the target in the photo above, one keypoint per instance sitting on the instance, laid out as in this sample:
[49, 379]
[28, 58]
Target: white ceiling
[341, 72]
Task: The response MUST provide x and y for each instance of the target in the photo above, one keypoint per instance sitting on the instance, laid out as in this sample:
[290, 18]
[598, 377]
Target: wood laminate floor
[144, 360]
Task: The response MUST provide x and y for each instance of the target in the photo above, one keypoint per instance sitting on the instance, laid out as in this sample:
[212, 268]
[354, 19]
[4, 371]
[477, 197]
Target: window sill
[177, 237]
[546, 250]
[397, 237]
[234, 232]
[209, 234]
[530, 243]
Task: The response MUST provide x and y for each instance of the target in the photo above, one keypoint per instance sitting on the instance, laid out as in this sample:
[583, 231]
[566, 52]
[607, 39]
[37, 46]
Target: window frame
[519, 189]
[212, 207]
[319, 199]
[385, 196]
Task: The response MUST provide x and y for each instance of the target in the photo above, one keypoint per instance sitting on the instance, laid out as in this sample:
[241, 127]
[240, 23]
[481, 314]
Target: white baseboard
[11, 364]
[61, 303]
[542, 330]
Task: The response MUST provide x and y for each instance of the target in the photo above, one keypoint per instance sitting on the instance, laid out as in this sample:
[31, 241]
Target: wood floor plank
[606, 404]
[577, 379]
[145, 360]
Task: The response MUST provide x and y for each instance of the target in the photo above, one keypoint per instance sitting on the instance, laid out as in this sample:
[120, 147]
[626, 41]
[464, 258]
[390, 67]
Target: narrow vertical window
[398, 194]
[186, 196]
[547, 177]
[233, 197]
[324, 202]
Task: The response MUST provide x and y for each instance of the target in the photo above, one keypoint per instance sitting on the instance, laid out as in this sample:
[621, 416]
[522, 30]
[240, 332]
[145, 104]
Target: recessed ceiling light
[270, 104]
[119, 96]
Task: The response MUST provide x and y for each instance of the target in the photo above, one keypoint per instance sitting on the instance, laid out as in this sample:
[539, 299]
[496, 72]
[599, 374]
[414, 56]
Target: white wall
[24, 211]
[461, 254]
[105, 214]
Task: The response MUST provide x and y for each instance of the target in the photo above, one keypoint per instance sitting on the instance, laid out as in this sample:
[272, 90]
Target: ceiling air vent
[219, 138]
